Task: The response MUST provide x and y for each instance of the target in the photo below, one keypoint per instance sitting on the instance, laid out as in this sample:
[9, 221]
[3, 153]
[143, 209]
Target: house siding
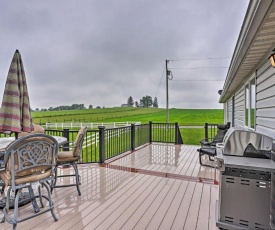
[239, 119]
[265, 100]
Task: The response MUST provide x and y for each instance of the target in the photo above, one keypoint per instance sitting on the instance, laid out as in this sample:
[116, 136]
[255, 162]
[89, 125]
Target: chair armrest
[70, 142]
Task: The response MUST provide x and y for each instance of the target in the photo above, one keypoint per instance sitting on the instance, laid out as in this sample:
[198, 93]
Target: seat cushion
[66, 156]
[6, 177]
[36, 129]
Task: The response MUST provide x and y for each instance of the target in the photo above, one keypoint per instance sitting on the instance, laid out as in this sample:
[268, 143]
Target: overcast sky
[101, 52]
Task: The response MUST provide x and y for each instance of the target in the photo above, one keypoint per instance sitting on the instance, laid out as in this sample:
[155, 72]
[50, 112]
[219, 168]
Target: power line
[198, 80]
[160, 81]
[217, 67]
[196, 59]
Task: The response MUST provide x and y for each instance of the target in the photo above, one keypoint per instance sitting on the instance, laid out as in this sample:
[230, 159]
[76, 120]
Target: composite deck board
[107, 216]
[203, 216]
[117, 199]
[155, 205]
[172, 211]
[117, 219]
[86, 215]
[193, 211]
[183, 209]
[162, 210]
[212, 209]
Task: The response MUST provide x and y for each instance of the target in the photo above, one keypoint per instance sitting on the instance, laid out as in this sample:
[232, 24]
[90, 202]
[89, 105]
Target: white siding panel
[263, 68]
[269, 112]
[237, 125]
[239, 113]
[265, 73]
[269, 92]
[266, 122]
[239, 108]
[265, 103]
[266, 131]
[270, 81]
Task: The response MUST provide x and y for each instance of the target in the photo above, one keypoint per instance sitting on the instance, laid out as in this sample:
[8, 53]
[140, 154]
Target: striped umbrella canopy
[15, 112]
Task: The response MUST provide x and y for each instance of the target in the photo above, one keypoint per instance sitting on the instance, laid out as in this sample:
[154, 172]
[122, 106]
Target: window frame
[250, 100]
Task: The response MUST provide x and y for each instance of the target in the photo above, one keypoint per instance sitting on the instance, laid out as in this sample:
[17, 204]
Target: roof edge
[255, 13]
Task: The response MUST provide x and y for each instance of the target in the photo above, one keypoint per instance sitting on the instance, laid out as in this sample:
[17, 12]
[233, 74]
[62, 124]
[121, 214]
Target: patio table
[24, 197]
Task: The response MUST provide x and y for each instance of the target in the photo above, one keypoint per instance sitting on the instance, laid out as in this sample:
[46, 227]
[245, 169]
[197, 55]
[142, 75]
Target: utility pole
[167, 97]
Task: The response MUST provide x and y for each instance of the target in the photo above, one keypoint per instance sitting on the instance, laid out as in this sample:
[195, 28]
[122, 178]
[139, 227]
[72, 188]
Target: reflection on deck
[174, 160]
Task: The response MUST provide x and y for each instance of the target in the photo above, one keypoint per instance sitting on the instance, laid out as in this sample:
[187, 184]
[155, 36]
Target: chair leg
[51, 205]
[40, 196]
[200, 156]
[53, 182]
[32, 197]
[16, 201]
[77, 178]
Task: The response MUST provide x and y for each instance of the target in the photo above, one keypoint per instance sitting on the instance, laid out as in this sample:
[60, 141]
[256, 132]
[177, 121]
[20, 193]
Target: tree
[136, 104]
[155, 103]
[130, 101]
[90, 106]
[146, 101]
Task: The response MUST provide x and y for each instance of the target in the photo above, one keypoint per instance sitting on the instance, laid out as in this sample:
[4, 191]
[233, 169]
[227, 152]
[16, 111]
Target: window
[247, 105]
[250, 104]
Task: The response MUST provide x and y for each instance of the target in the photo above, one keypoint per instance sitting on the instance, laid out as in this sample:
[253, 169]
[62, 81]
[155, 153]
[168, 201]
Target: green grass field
[185, 117]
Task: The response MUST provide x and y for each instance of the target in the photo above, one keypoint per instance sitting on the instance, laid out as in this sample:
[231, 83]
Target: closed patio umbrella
[15, 112]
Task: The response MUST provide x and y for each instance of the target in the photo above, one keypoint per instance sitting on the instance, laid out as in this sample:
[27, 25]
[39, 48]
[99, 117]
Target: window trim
[248, 101]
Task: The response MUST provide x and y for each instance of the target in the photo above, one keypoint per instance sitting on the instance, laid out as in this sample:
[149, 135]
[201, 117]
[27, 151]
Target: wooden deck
[133, 192]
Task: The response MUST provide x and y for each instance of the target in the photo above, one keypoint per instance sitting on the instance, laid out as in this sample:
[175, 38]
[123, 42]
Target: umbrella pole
[16, 136]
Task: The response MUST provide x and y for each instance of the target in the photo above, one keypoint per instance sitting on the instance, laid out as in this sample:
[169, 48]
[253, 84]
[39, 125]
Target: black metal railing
[167, 133]
[102, 144]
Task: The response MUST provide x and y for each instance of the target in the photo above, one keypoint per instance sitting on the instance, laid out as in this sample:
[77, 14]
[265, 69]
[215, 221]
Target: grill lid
[246, 143]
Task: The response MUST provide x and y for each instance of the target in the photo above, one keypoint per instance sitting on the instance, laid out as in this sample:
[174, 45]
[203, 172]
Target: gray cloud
[102, 52]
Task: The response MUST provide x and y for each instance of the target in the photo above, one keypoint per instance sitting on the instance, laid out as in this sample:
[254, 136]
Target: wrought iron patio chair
[208, 146]
[28, 160]
[70, 158]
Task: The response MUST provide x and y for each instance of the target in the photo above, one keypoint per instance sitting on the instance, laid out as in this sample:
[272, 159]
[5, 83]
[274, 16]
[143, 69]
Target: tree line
[65, 107]
[145, 101]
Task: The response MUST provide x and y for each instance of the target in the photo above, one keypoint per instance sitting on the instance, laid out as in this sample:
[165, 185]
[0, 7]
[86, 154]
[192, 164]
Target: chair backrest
[36, 129]
[222, 129]
[79, 141]
[32, 154]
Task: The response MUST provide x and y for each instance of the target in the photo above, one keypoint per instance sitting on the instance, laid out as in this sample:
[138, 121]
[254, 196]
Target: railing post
[206, 131]
[66, 146]
[132, 137]
[150, 132]
[101, 144]
[176, 133]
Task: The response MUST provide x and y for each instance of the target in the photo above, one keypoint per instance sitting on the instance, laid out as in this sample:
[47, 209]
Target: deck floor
[122, 199]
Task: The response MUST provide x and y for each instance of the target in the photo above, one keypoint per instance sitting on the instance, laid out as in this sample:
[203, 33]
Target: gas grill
[245, 164]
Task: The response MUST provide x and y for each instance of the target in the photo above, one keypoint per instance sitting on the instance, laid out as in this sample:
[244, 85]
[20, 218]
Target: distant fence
[102, 144]
[91, 125]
